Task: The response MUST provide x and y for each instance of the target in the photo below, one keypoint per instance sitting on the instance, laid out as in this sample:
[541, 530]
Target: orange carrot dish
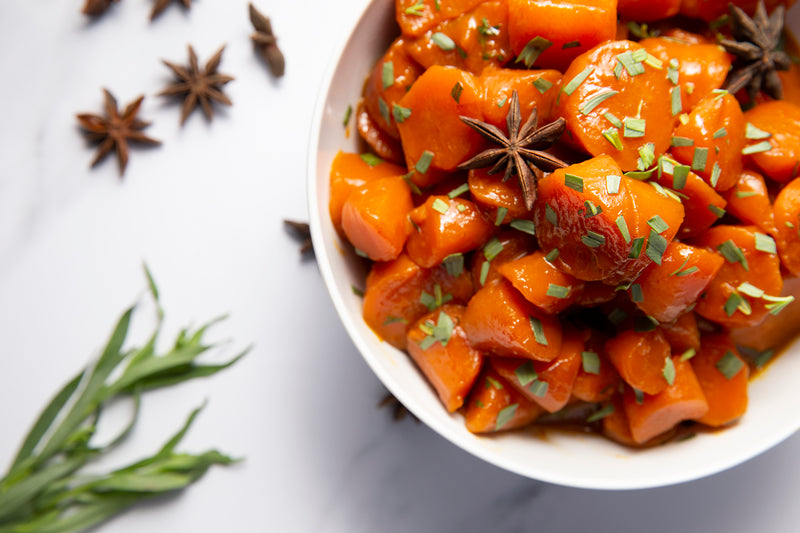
[581, 211]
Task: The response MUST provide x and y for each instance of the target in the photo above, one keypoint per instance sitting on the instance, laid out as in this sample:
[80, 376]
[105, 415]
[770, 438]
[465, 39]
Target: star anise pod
[521, 147]
[302, 232]
[756, 49]
[95, 8]
[161, 5]
[114, 130]
[198, 86]
[266, 43]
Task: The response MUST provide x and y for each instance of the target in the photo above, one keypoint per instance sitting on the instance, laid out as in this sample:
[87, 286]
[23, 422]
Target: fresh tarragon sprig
[43, 490]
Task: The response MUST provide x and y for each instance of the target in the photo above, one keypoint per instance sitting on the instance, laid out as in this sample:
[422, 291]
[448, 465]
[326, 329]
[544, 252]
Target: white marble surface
[205, 211]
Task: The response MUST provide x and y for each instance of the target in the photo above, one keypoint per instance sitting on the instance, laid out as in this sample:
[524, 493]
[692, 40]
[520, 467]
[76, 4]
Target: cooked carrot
[493, 195]
[787, 222]
[682, 334]
[722, 375]
[709, 10]
[616, 426]
[349, 172]
[701, 67]
[536, 89]
[597, 379]
[434, 138]
[640, 359]
[395, 295]
[624, 117]
[415, 17]
[511, 244]
[501, 321]
[778, 154]
[603, 228]
[439, 346]
[542, 284]
[381, 142]
[571, 26]
[547, 383]
[749, 201]
[648, 11]
[731, 298]
[446, 226]
[776, 330]
[390, 79]
[711, 141]
[477, 38]
[668, 290]
[494, 405]
[375, 217]
[702, 204]
[656, 414]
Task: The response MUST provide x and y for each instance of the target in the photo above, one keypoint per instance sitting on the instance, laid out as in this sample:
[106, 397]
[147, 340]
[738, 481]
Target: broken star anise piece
[114, 130]
[399, 410]
[266, 43]
[758, 57]
[161, 5]
[198, 86]
[521, 147]
[302, 232]
[95, 8]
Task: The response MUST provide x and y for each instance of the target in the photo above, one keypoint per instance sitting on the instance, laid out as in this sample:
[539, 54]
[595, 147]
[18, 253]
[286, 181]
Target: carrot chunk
[656, 414]
[605, 226]
[648, 11]
[734, 297]
[702, 204]
[776, 330]
[505, 247]
[375, 217]
[778, 154]
[493, 195]
[787, 221]
[472, 41]
[640, 359]
[500, 320]
[547, 383]
[390, 79]
[446, 226]
[439, 346]
[349, 172]
[434, 138]
[395, 295]
[536, 89]
[597, 379]
[711, 141]
[415, 17]
[682, 334]
[542, 284]
[701, 67]
[669, 289]
[494, 405]
[381, 142]
[722, 375]
[571, 26]
[624, 116]
[749, 201]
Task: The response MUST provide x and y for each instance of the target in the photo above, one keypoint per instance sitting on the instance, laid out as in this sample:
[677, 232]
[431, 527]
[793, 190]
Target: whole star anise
[198, 86]
[95, 8]
[266, 43]
[161, 5]
[114, 130]
[756, 49]
[521, 147]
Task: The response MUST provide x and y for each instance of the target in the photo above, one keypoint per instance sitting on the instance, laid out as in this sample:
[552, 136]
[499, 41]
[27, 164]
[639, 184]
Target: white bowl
[584, 461]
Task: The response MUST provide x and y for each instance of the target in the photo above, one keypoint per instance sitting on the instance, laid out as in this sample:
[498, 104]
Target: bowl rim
[715, 464]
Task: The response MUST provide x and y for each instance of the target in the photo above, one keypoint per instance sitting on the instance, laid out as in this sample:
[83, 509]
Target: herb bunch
[44, 490]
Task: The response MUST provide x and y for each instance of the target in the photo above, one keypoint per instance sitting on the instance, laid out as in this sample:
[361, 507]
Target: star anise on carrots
[522, 146]
[95, 8]
[756, 47]
[114, 130]
[198, 86]
[161, 5]
[266, 43]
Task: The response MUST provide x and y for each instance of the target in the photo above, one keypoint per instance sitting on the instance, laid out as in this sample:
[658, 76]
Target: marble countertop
[204, 211]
